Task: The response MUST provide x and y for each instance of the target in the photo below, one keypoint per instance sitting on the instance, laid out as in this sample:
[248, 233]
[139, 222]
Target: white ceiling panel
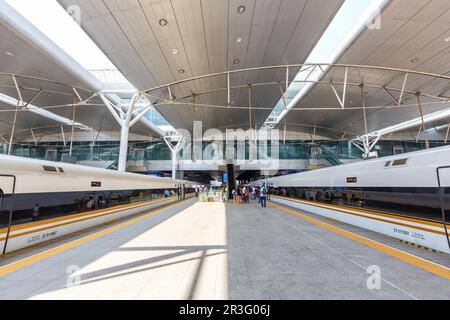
[410, 29]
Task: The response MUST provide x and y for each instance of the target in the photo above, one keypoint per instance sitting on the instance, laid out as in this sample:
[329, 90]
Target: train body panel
[33, 177]
[33, 234]
[42, 200]
[419, 170]
[415, 232]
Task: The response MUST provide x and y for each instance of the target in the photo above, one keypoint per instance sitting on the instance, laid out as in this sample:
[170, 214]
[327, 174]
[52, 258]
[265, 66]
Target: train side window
[400, 162]
[1, 198]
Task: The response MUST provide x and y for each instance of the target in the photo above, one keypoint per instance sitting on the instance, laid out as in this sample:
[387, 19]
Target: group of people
[91, 204]
[247, 194]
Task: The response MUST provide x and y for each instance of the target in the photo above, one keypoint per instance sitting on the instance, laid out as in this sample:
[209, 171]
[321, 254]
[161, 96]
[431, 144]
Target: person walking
[239, 195]
[247, 195]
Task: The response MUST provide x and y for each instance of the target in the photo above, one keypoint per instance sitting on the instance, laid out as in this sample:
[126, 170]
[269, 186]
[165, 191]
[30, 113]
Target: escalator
[332, 160]
[113, 166]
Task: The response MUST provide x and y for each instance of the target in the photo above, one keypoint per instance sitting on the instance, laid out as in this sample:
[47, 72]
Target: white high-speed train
[405, 196]
[41, 200]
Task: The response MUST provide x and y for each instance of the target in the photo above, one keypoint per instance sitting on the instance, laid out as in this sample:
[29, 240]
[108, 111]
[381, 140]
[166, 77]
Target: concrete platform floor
[217, 251]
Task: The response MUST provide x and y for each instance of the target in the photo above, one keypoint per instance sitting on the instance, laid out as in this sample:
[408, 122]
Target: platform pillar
[123, 151]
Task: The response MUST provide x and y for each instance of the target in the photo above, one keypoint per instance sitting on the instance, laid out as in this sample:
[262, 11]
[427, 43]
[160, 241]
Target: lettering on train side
[96, 184]
[418, 235]
[404, 232]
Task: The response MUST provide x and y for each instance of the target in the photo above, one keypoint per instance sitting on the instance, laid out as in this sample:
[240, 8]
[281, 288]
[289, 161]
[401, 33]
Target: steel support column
[174, 150]
[123, 149]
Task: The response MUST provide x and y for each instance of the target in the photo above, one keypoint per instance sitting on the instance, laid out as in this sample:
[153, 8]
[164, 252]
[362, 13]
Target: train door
[7, 188]
[444, 190]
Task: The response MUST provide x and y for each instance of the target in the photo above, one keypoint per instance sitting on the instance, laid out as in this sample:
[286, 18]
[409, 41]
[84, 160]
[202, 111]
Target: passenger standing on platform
[263, 197]
[36, 212]
[239, 195]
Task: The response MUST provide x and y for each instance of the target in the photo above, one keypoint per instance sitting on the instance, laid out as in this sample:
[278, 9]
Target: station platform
[195, 250]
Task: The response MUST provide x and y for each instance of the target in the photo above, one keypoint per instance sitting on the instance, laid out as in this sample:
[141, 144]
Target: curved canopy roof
[206, 37]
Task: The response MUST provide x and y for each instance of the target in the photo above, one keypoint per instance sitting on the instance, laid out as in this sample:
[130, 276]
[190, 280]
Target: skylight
[349, 22]
[52, 20]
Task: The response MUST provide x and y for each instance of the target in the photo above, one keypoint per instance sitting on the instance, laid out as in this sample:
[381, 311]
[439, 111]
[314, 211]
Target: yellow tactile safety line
[18, 265]
[429, 266]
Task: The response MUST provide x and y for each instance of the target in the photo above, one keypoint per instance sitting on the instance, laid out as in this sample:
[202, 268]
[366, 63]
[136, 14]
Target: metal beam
[111, 109]
[13, 128]
[32, 99]
[403, 89]
[77, 94]
[286, 91]
[250, 102]
[19, 93]
[228, 89]
[391, 95]
[140, 115]
[337, 95]
[344, 94]
[74, 111]
[63, 136]
[418, 134]
[34, 137]
[363, 100]
[448, 131]
[283, 95]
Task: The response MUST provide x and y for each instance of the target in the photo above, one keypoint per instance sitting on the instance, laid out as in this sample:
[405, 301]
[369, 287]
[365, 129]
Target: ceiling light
[9, 53]
[415, 60]
[181, 71]
[241, 9]
[163, 22]
[447, 39]
[238, 40]
[236, 61]
[174, 51]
